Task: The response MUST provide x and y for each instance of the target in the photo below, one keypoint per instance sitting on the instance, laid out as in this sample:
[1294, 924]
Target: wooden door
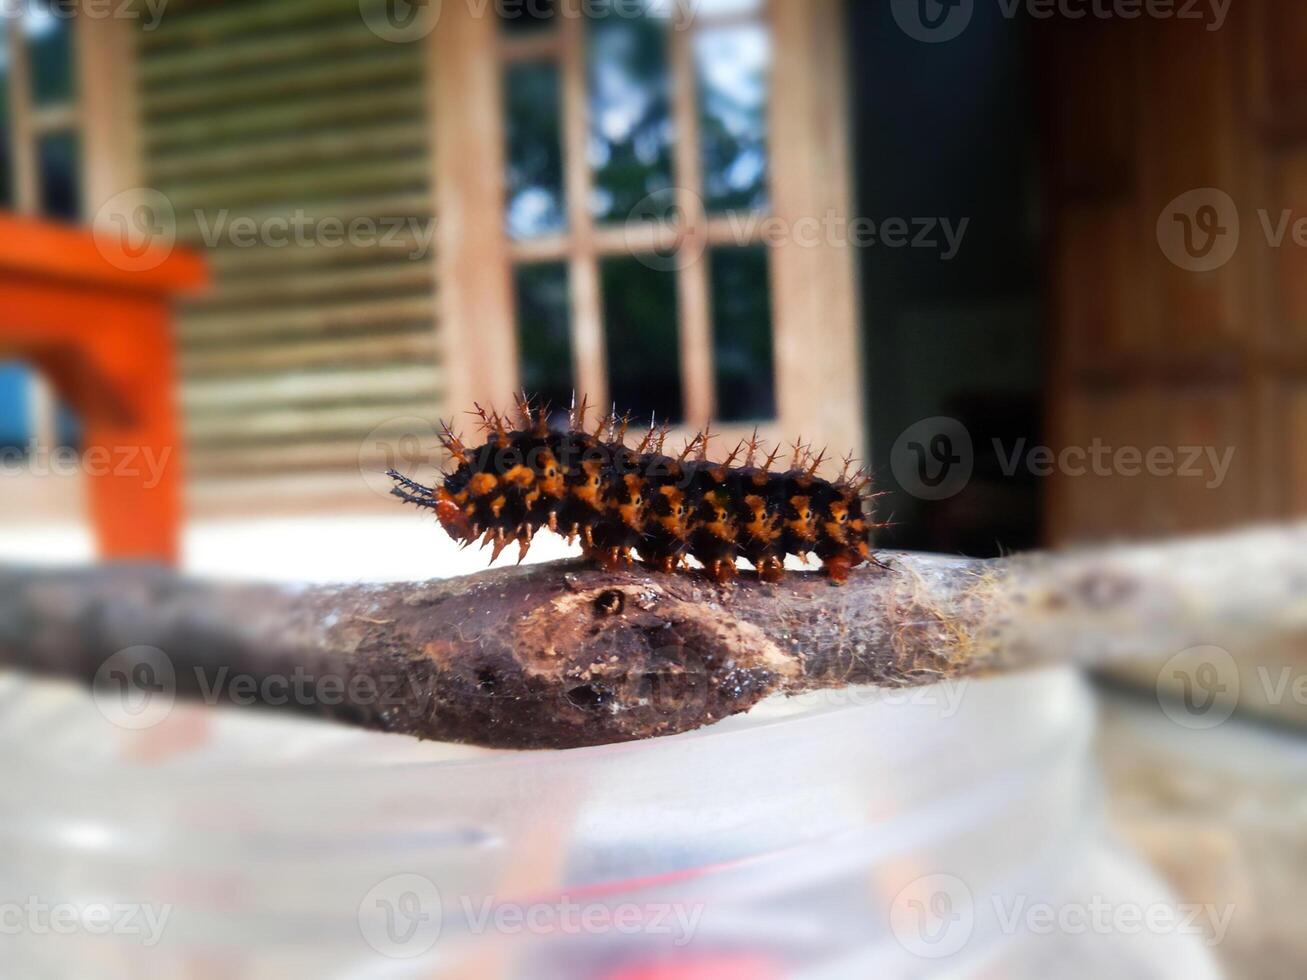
[1177, 169]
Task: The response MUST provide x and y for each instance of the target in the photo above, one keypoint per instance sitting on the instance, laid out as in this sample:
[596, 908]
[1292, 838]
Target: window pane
[6, 144]
[630, 145]
[60, 169]
[67, 427]
[743, 366]
[15, 406]
[544, 335]
[640, 333]
[732, 65]
[535, 151]
[48, 29]
[725, 8]
[525, 16]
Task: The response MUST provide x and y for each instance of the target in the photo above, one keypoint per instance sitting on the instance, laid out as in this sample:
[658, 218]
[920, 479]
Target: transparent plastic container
[854, 834]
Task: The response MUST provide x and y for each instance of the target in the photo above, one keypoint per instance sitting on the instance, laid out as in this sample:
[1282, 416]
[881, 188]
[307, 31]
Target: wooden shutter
[294, 110]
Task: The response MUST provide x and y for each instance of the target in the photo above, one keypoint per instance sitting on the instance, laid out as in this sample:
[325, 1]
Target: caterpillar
[618, 499]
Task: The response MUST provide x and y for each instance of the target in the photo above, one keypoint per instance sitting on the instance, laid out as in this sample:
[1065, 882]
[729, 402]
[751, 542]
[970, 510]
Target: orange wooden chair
[99, 328]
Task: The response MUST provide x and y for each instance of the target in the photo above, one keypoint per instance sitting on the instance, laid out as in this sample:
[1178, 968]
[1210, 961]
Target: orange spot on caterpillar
[519, 476]
[482, 483]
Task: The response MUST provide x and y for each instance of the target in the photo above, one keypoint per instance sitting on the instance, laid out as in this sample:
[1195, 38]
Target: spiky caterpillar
[618, 499]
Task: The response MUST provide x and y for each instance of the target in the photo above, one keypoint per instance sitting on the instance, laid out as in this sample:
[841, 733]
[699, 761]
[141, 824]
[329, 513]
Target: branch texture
[563, 655]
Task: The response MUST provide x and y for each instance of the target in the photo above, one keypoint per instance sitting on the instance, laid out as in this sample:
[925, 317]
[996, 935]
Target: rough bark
[565, 655]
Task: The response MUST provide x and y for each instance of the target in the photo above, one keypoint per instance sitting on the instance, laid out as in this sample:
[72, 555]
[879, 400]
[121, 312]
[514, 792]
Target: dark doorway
[945, 142]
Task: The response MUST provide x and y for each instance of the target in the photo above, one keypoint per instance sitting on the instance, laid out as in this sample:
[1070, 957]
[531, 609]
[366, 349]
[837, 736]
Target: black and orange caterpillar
[617, 499]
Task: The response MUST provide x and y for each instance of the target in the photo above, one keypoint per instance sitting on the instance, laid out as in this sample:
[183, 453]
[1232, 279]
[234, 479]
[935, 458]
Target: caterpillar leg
[609, 559]
[661, 563]
[837, 567]
[721, 570]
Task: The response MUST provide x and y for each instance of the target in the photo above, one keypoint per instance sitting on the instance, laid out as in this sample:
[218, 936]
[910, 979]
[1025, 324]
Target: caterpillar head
[451, 515]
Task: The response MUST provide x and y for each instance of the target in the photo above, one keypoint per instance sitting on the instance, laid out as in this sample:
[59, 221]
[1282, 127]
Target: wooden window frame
[815, 320]
[103, 116]
[27, 124]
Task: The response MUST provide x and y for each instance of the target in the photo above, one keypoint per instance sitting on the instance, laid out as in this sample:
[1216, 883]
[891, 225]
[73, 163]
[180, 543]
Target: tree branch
[564, 655]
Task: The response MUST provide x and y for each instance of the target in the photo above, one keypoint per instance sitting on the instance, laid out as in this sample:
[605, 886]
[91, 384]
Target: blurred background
[1039, 264]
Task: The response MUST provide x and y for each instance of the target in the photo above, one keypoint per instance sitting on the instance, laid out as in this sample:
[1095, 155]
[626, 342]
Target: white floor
[314, 549]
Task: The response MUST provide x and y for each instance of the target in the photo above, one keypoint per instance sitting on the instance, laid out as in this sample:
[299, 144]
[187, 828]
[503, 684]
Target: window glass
[629, 155]
[641, 338]
[15, 406]
[630, 140]
[525, 16]
[732, 65]
[67, 427]
[535, 151]
[725, 8]
[48, 32]
[57, 158]
[743, 365]
[6, 140]
[544, 332]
